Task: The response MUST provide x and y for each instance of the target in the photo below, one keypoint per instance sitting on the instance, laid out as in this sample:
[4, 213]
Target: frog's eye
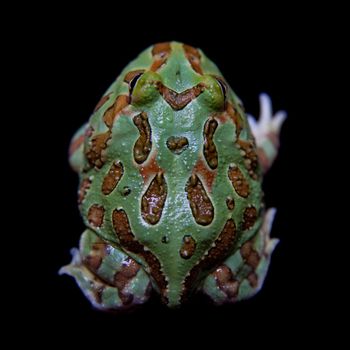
[132, 77]
[222, 85]
[143, 87]
[215, 92]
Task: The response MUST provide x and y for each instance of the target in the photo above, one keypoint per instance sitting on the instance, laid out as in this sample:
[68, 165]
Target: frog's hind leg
[109, 278]
[76, 149]
[243, 273]
[266, 131]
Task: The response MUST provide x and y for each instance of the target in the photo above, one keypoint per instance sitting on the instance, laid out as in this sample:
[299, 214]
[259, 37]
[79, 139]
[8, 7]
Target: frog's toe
[109, 278]
[266, 131]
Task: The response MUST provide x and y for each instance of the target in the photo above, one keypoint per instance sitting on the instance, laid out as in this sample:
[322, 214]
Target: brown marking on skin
[238, 181]
[129, 270]
[236, 118]
[200, 203]
[179, 100]
[150, 168]
[83, 188]
[249, 254]
[97, 253]
[230, 203]
[177, 144]
[249, 217]
[220, 249]
[226, 281]
[94, 152]
[209, 148]
[95, 215]
[250, 157]
[206, 174]
[193, 57]
[131, 75]
[128, 241]
[253, 279]
[112, 178]
[75, 144]
[160, 53]
[112, 112]
[188, 247]
[143, 145]
[152, 202]
[102, 101]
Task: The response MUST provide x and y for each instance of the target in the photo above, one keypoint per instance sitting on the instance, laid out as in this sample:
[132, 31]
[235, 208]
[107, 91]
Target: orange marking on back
[207, 175]
[149, 168]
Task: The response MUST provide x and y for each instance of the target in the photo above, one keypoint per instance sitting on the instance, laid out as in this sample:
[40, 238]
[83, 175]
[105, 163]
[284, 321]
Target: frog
[170, 186]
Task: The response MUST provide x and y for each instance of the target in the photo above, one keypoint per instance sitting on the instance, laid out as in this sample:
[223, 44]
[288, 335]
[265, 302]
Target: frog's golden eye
[132, 77]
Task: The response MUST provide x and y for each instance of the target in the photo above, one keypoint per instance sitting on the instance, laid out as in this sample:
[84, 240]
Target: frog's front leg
[266, 131]
[242, 274]
[108, 277]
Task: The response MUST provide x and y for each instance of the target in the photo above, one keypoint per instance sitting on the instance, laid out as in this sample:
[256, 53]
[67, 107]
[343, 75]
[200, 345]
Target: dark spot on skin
[188, 247]
[238, 181]
[152, 202]
[177, 144]
[230, 203]
[95, 215]
[112, 178]
[128, 241]
[201, 206]
[126, 191]
[249, 217]
[143, 145]
[209, 148]
[165, 239]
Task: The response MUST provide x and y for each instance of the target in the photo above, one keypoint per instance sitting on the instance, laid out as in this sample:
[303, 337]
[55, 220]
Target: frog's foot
[76, 149]
[109, 278]
[266, 131]
[243, 273]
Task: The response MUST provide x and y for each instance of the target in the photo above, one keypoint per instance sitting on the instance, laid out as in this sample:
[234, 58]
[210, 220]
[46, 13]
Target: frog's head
[178, 73]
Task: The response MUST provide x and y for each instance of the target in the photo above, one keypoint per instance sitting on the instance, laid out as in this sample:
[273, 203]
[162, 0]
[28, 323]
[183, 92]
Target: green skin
[177, 219]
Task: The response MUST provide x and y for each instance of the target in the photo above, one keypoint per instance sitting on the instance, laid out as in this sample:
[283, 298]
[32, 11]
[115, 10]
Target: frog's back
[170, 171]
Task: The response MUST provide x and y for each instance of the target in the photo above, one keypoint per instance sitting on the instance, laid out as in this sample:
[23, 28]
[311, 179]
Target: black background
[274, 52]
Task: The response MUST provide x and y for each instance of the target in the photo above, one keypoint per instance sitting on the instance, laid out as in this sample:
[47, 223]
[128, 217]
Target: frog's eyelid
[133, 82]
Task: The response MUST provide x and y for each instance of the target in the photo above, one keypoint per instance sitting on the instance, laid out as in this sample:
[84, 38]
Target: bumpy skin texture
[170, 184]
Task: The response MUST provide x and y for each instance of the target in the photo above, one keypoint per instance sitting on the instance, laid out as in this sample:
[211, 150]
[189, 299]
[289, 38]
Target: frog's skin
[170, 186]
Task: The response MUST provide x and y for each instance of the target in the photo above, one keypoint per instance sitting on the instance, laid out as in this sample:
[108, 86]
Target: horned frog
[170, 191]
